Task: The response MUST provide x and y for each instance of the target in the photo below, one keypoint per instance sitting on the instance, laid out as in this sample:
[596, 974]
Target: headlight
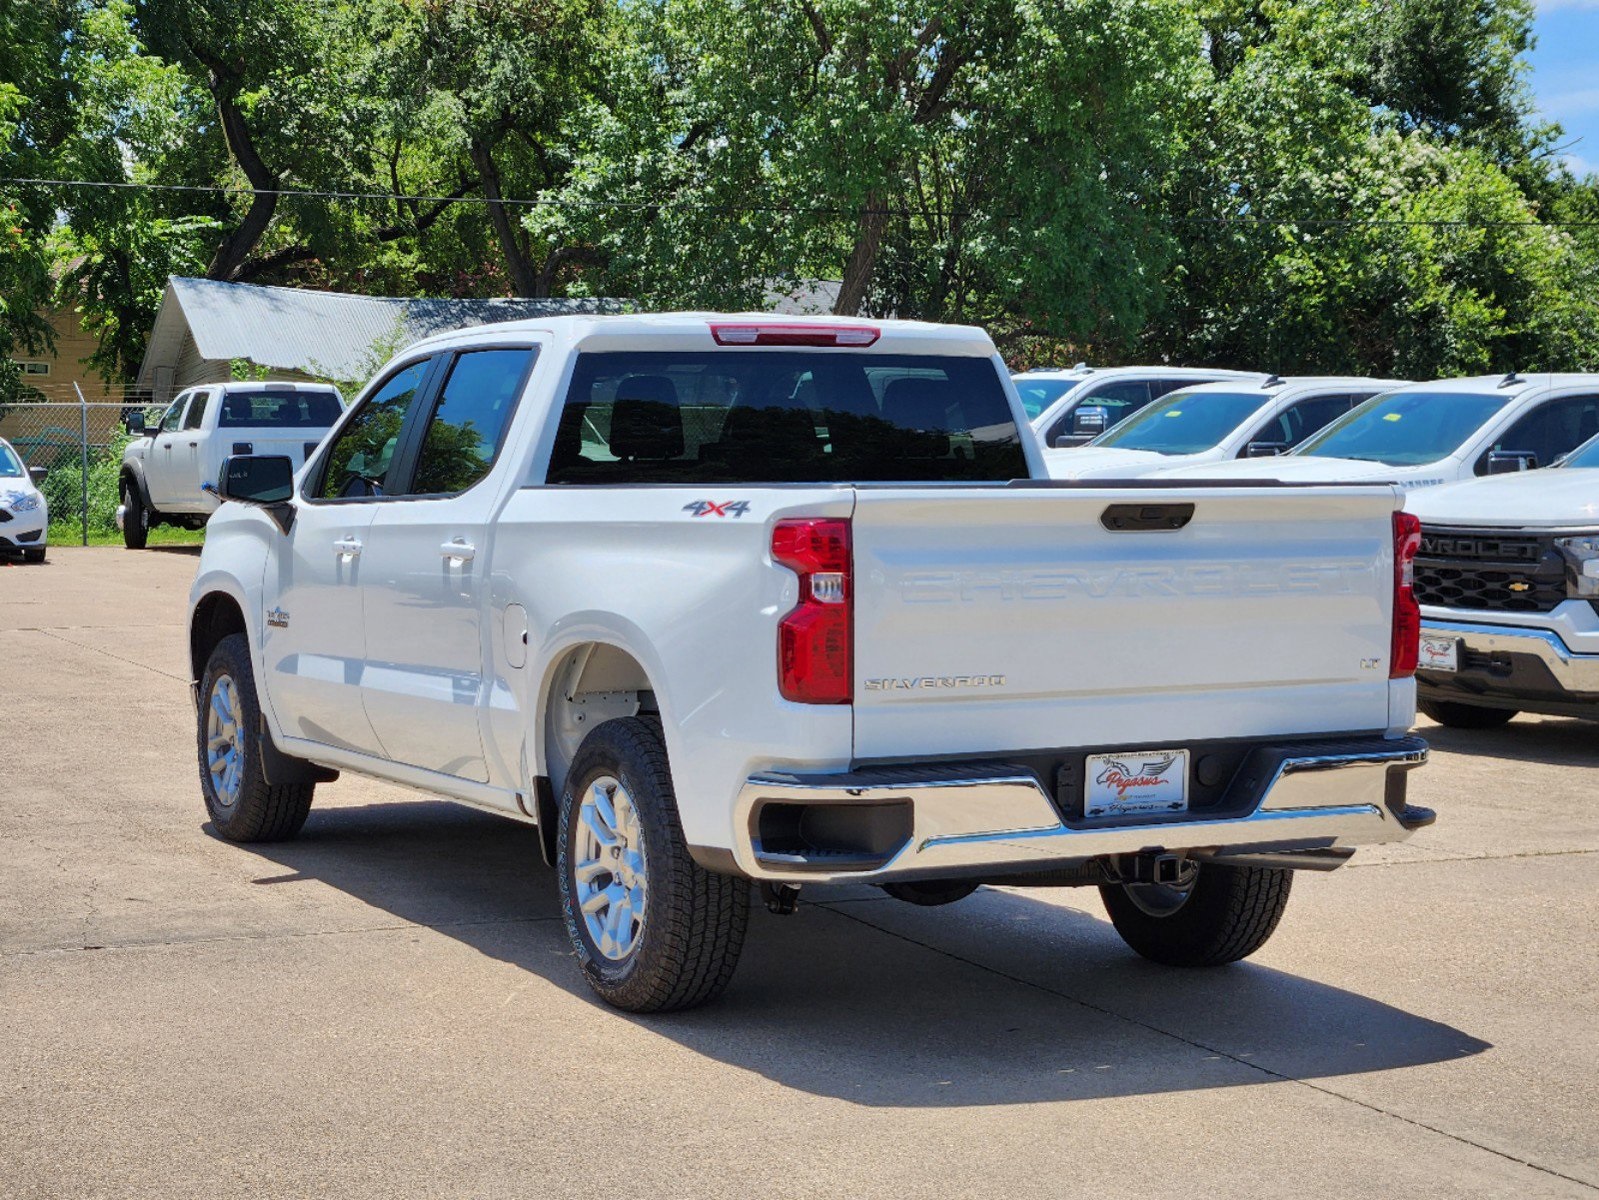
[1582, 565]
[21, 502]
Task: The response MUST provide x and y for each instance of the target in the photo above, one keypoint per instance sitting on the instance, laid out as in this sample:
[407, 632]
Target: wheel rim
[1163, 899]
[609, 868]
[224, 741]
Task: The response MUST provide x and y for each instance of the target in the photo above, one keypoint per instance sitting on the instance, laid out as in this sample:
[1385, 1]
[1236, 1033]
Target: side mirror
[37, 474]
[1090, 420]
[265, 480]
[1265, 449]
[1507, 462]
[133, 422]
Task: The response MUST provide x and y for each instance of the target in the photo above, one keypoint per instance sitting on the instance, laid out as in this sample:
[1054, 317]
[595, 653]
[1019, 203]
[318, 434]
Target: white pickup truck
[1508, 580]
[169, 473]
[1425, 434]
[713, 600]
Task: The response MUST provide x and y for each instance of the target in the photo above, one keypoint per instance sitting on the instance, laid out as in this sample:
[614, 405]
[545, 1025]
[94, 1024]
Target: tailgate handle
[1126, 518]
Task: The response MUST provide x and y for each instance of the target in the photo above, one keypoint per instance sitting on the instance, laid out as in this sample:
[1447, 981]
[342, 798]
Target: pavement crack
[1446, 856]
[99, 650]
[438, 926]
[1209, 1049]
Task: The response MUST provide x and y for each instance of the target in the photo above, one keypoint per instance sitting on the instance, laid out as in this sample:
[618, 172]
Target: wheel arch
[215, 615]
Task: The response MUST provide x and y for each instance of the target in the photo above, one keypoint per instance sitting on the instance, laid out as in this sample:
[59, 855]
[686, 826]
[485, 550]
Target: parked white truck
[1508, 580]
[713, 600]
[169, 473]
[1425, 434]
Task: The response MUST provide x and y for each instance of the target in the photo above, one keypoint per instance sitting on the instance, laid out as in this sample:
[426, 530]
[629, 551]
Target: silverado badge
[277, 618]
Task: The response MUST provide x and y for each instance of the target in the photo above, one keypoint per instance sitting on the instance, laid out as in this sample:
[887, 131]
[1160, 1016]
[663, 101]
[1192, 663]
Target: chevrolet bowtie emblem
[1521, 586]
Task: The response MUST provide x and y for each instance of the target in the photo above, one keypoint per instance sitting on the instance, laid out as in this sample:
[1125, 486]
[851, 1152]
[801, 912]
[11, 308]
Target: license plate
[1440, 654]
[1136, 783]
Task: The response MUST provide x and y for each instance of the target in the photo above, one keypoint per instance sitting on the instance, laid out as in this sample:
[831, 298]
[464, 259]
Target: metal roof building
[205, 325]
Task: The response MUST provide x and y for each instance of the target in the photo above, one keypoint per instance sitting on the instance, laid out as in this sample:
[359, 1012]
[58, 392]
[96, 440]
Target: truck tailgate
[296, 442]
[1000, 620]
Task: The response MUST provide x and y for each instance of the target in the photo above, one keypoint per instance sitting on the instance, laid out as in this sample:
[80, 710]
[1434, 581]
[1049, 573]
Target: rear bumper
[1517, 666]
[970, 821]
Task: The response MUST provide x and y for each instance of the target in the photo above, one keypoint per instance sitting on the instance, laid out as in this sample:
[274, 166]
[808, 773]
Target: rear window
[766, 416]
[297, 410]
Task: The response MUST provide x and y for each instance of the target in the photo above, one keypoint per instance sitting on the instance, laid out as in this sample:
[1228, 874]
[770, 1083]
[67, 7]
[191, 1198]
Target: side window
[358, 462]
[467, 428]
[1548, 431]
[1298, 421]
[196, 410]
[174, 414]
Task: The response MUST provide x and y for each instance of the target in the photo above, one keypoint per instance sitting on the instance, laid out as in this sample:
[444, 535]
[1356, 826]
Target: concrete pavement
[386, 1007]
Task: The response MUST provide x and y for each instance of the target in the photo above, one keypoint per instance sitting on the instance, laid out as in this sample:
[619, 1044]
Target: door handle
[458, 550]
[347, 547]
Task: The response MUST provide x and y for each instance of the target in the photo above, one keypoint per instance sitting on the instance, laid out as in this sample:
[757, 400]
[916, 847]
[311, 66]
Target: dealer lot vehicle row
[616, 577]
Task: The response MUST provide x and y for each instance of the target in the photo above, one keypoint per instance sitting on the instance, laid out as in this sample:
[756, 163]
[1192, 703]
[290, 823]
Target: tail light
[814, 652]
[1407, 613]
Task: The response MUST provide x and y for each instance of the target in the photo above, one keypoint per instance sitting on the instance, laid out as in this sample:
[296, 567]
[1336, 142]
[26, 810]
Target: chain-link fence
[80, 447]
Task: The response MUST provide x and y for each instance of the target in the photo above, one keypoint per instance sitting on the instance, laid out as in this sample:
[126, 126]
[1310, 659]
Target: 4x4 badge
[277, 618]
[711, 508]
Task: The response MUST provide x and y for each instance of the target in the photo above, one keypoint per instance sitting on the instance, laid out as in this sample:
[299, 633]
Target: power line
[820, 210]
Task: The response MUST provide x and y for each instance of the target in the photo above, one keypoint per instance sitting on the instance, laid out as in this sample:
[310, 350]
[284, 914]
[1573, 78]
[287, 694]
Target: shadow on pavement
[192, 551]
[860, 999]
[1556, 741]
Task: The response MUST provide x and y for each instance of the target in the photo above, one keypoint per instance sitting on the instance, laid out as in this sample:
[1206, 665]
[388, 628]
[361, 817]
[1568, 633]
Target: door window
[467, 428]
[1548, 431]
[174, 414]
[358, 461]
[196, 410]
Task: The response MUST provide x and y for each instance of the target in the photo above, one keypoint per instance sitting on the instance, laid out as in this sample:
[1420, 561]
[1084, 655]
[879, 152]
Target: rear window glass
[299, 410]
[766, 416]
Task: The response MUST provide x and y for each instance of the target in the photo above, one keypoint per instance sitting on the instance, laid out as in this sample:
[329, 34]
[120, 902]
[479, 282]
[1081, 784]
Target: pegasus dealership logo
[1124, 778]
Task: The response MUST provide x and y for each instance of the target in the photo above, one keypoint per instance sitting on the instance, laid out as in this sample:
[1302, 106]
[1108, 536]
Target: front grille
[1489, 571]
[5, 515]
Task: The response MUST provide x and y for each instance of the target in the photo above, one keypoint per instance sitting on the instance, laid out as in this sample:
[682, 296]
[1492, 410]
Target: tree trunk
[862, 259]
[239, 244]
[524, 280]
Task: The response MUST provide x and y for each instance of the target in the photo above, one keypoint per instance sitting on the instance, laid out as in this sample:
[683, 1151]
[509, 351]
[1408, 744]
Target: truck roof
[692, 330]
[273, 385]
[1507, 384]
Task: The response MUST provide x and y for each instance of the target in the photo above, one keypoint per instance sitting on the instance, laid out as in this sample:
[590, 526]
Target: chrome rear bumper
[1005, 823]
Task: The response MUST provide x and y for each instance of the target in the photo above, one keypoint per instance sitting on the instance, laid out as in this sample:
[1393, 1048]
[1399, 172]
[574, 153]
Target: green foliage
[63, 490]
[1248, 182]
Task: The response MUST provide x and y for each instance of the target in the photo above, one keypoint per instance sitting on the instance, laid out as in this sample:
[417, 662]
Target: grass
[68, 533]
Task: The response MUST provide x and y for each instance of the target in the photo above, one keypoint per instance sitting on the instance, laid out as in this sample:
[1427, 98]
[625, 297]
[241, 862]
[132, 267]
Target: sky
[1565, 76]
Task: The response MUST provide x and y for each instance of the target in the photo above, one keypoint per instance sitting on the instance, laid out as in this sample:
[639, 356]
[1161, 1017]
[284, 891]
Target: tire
[135, 517]
[251, 810]
[676, 941]
[1227, 914]
[1466, 716]
[33, 554]
[931, 893]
